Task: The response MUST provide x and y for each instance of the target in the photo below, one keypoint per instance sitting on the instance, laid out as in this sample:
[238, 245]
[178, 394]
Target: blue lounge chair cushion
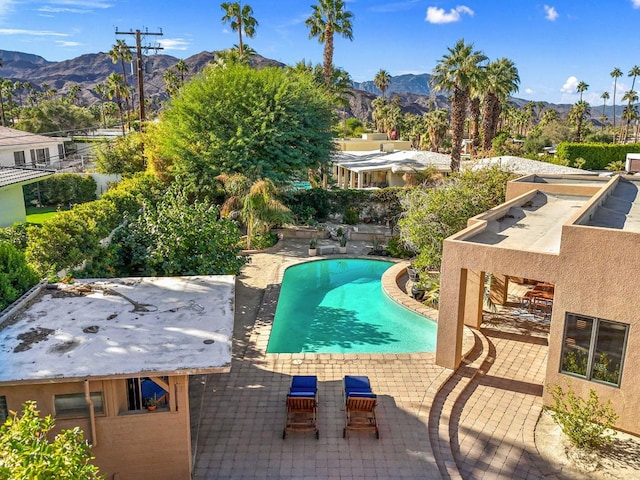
[362, 394]
[304, 383]
[302, 394]
[353, 383]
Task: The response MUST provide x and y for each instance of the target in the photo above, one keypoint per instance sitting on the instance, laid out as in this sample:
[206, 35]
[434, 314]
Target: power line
[138, 49]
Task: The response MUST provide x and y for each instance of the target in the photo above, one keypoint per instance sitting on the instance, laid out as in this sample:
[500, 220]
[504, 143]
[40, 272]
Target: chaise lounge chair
[302, 405]
[360, 405]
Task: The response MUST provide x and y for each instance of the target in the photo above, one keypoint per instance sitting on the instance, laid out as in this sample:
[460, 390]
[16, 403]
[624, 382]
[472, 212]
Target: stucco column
[359, 180]
[474, 298]
[351, 179]
[453, 284]
[499, 289]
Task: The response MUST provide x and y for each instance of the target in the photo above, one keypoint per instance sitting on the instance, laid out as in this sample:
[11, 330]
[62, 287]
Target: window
[74, 404]
[140, 390]
[4, 413]
[19, 159]
[594, 348]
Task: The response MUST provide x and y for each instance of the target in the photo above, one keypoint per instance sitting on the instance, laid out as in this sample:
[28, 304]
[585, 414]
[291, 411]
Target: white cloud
[64, 43]
[636, 3]
[551, 13]
[6, 6]
[529, 91]
[46, 9]
[36, 33]
[570, 85]
[438, 15]
[174, 43]
[84, 3]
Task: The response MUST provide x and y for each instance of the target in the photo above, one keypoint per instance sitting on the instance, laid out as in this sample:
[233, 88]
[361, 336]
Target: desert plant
[616, 166]
[313, 243]
[343, 240]
[586, 423]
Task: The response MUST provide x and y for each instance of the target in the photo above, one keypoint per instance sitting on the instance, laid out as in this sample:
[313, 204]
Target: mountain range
[88, 70]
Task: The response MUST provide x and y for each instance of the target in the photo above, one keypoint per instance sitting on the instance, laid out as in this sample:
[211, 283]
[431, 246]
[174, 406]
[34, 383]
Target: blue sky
[553, 44]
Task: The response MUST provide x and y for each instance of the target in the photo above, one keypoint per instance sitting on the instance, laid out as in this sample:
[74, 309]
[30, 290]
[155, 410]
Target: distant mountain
[409, 83]
[88, 70]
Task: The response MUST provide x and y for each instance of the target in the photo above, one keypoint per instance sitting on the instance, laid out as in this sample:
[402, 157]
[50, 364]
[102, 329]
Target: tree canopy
[27, 452]
[263, 123]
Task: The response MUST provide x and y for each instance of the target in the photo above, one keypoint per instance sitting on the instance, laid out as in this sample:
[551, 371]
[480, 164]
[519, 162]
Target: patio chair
[302, 406]
[360, 405]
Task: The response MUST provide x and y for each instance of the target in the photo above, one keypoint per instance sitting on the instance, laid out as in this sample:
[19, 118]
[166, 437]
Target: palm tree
[115, 83]
[437, 123]
[502, 80]
[615, 74]
[120, 53]
[182, 68]
[604, 97]
[171, 81]
[2, 80]
[578, 113]
[631, 96]
[382, 80]
[103, 92]
[329, 17]
[634, 72]
[240, 19]
[454, 73]
[582, 87]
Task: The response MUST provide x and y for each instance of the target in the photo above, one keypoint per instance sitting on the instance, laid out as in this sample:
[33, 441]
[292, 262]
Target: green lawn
[39, 215]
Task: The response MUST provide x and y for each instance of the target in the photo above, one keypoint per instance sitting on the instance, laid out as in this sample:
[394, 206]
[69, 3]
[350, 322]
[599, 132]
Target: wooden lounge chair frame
[360, 414]
[301, 415]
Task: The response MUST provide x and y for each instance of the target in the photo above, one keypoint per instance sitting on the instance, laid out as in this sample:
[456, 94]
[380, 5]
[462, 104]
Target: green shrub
[350, 217]
[16, 277]
[596, 155]
[586, 423]
[397, 249]
[61, 189]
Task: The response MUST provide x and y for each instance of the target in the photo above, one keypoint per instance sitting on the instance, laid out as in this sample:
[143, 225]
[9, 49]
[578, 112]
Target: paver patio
[490, 418]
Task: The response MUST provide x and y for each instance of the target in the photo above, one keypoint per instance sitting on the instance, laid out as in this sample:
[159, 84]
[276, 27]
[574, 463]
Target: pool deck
[477, 422]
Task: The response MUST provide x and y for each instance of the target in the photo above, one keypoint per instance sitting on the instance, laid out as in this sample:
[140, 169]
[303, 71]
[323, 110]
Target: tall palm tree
[182, 68]
[2, 80]
[631, 96]
[581, 88]
[615, 74]
[329, 17]
[102, 91]
[115, 84]
[578, 114]
[382, 80]
[604, 97]
[501, 79]
[240, 19]
[454, 73]
[634, 72]
[437, 123]
[120, 52]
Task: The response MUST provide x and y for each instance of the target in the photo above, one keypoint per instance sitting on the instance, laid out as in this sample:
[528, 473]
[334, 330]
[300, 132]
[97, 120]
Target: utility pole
[139, 65]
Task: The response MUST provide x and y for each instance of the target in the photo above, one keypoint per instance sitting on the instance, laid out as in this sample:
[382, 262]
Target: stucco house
[21, 149]
[12, 208]
[93, 354]
[581, 236]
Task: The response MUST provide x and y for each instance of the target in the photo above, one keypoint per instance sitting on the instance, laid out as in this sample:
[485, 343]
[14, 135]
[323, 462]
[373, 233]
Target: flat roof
[397, 161]
[524, 166]
[120, 327]
[621, 209]
[16, 175]
[10, 137]
[534, 226]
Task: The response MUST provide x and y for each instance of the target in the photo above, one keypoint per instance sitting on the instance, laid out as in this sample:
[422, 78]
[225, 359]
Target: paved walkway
[478, 423]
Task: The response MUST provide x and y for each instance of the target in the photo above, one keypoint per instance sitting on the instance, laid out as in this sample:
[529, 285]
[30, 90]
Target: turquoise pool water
[338, 306]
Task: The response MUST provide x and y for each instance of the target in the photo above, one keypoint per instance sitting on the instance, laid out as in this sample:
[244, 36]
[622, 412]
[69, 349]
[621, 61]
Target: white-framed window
[4, 412]
[19, 158]
[74, 404]
[594, 348]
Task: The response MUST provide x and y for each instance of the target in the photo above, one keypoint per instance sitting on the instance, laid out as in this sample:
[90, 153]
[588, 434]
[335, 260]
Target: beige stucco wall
[12, 207]
[370, 145]
[596, 273]
[134, 445]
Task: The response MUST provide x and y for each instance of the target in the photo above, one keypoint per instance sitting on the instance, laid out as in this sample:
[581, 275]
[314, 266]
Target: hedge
[61, 189]
[596, 155]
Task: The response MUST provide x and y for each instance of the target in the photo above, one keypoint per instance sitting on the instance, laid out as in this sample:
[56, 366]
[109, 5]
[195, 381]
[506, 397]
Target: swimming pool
[338, 306]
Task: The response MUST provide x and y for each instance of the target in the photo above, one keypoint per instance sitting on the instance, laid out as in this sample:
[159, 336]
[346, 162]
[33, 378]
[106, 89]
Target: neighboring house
[372, 141]
[375, 169]
[92, 353]
[12, 208]
[581, 234]
[24, 149]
